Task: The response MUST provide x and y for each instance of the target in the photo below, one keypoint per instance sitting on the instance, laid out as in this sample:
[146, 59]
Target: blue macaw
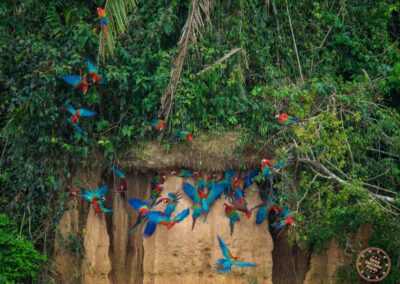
[224, 265]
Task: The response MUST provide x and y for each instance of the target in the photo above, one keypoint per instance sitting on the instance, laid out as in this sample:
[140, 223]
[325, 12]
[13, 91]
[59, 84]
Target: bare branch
[222, 59]
[294, 41]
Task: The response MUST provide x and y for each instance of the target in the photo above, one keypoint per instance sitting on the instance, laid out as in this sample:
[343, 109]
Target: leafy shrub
[19, 260]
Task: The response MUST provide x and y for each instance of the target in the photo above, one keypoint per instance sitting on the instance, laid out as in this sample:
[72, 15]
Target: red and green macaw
[102, 13]
[181, 173]
[171, 200]
[158, 179]
[264, 209]
[224, 265]
[77, 114]
[156, 217]
[96, 198]
[94, 195]
[268, 166]
[287, 219]
[157, 187]
[233, 216]
[155, 194]
[123, 185]
[202, 200]
[159, 218]
[158, 124]
[185, 135]
[77, 81]
[286, 119]
[142, 208]
[94, 72]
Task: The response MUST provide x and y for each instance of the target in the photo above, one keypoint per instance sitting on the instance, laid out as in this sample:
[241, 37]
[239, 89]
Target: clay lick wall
[177, 256]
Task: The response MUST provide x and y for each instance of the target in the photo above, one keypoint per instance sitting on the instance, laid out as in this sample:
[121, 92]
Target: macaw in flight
[287, 218]
[224, 265]
[94, 195]
[156, 217]
[96, 198]
[232, 214]
[158, 124]
[202, 200]
[77, 114]
[123, 185]
[171, 200]
[77, 81]
[94, 73]
[185, 135]
[286, 119]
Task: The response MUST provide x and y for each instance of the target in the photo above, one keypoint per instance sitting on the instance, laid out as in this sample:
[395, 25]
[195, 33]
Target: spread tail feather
[223, 265]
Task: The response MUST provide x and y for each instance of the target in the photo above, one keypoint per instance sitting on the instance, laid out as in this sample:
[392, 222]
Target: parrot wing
[70, 108]
[73, 80]
[243, 264]
[86, 113]
[262, 213]
[100, 192]
[137, 203]
[104, 209]
[149, 229]
[157, 217]
[118, 172]
[215, 193]
[191, 191]
[169, 209]
[182, 215]
[225, 251]
[92, 68]
[249, 179]
[286, 212]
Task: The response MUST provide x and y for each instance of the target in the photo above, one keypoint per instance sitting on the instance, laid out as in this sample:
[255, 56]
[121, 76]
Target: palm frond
[198, 16]
[117, 21]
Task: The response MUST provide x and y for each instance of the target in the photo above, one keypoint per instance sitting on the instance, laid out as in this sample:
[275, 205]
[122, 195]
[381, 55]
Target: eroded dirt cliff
[181, 255]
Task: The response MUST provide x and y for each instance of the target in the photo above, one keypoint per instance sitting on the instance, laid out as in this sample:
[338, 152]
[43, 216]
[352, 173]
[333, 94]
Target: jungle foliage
[343, 81]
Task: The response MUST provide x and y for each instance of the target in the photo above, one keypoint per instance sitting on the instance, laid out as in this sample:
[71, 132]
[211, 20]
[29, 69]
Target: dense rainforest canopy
[235, 64]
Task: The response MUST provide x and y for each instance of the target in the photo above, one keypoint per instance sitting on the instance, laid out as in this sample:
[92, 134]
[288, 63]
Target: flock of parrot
[203, 193]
